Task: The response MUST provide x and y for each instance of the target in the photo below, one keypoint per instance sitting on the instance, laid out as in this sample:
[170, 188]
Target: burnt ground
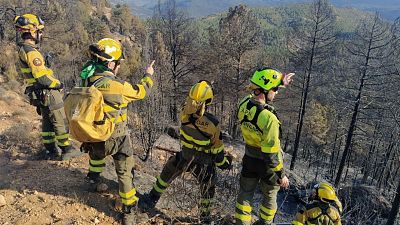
[55, 192]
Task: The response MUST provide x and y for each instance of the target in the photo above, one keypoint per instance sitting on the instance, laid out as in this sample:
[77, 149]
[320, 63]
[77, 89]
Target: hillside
[53, 192]
[34, 191]
[340, 123]
[201, 8]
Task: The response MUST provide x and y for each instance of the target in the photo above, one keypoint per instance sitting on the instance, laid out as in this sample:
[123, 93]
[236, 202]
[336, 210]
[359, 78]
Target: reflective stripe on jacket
[117, 95]
[202, 139]
[33, 68]
[318, 213]
[260, 130]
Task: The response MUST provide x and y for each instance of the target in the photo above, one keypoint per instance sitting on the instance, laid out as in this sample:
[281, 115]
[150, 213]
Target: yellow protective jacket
[261, 129]
[201, 139]
[318, 213]
[33, 68]
[117, 94]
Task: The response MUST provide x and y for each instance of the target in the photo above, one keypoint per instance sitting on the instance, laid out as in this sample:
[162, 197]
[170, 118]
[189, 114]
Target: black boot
[68, 153]
[50, 153]
[94, 179]
[149, 200]
[262, 222]
[128, 214]
[205, 218]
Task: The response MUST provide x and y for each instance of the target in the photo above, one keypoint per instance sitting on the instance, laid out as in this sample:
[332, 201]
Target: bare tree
[233, 44]
[369, 51]
[174, 27]
[311, 50]
[395, 207]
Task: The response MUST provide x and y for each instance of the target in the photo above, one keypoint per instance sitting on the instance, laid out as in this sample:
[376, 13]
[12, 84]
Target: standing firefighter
[324, 210]
[43, 88]
[101, 72]
[202, 150]
[263, 160]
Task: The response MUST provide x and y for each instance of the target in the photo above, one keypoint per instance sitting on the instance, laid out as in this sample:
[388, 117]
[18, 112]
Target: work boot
[149, 200]
[96, 182]
[128, 214]
[262, 222]
[49, 153]
[205, 218]
[69, 153]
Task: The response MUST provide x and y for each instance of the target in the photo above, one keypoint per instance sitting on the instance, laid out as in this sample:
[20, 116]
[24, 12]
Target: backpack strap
[324, 212]
[253, 121]
[99, 80]
[104, 79]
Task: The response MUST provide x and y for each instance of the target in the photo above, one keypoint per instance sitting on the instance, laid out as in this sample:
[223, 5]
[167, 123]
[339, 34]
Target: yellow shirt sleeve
[138, 91]
[43, 75]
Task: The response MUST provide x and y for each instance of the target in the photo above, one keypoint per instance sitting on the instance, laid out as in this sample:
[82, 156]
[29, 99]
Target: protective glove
[38, 111]
[48, 60]
[227, 163]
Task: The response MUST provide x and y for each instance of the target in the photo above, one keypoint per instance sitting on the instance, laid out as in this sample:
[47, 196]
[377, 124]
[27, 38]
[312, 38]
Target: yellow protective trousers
[54, 124]
[253, 174]
[117, 148]
[204, 173]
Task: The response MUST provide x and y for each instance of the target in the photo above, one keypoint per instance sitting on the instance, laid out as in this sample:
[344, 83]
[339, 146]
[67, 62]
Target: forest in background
[201, 8]
[341, 116]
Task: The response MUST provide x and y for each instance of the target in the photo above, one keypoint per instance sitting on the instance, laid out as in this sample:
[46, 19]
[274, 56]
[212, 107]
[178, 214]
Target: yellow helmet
[107, 49]
[202, 92]
[267, 79]
[28, 23]
[326, 192]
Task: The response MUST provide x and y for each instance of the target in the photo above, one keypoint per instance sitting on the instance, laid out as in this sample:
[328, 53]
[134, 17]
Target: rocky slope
[34, 191]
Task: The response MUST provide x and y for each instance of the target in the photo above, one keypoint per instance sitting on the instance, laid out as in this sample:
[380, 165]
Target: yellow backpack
[84, 110]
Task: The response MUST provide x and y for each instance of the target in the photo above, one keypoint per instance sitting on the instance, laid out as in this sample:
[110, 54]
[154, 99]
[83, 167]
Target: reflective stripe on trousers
[63, 140]
[243, 213]
[160, 186]
[48, 137]
[267, 214]
[97, 166]
[205, 206]
[128, 198]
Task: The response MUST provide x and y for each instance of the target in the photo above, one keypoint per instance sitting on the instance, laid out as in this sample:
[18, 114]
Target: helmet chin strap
[116, 64]
[261, 91]
[38, 39]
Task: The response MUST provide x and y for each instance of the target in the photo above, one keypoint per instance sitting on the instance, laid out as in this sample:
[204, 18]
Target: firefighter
[263, 160]
[324, 210]
[101, 71]
[202, 150]
[43, 88]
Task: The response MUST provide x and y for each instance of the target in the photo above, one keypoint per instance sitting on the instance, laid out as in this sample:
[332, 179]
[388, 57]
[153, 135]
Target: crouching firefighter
[263, 160]
[325, 209]
[43, 88]
[202, 150]
[100, 72]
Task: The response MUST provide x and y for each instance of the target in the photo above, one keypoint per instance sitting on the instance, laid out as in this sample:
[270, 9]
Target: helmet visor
[22, 21]
[41, 22]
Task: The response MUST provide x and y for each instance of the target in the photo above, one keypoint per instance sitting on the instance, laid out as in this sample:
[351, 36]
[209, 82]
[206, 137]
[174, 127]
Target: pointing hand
[288, 79]
[150, 69]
